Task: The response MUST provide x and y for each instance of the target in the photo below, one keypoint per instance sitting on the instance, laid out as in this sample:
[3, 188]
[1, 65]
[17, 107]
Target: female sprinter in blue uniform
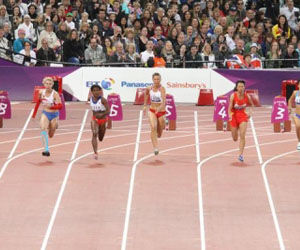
[238, 116]
[100, 109]
[296, 117]
[51, 102]
[157, 109]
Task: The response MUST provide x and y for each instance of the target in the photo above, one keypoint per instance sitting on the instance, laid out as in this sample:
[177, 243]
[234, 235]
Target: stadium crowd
[154, 33]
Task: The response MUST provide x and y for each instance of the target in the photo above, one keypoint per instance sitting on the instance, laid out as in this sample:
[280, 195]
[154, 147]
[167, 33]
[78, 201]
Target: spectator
[69, 21]
[193, 59]
[148, 52]
[27, 56]
[168, 53]
[208, 57]
[4, 18]
[32, 12]
[132, 56]
[142, 40]
[63, 31]
[119, 57]
[159, 61]
[274, 54]
[239, 47]
[229, 38]
[7, 34]
[254, 51]
[281, 28]
[291, 13]
[179, 59]
[19, 42]
[73, 48]
[94, 53]
[108, 49]
[30, 32]
[51, 37]
[291, 57]
[4, 46]
[85, 34]
[45, 55]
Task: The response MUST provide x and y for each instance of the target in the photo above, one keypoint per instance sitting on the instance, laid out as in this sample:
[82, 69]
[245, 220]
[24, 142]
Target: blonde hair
[47, 78]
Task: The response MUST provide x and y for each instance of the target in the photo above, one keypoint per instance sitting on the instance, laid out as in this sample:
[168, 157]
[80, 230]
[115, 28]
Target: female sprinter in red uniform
[238, 116]
[296, 117]
[157, 109]
[101, 111]
[51, 102]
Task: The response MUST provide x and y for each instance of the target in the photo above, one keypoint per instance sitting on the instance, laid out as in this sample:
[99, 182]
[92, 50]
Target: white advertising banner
[183, 84]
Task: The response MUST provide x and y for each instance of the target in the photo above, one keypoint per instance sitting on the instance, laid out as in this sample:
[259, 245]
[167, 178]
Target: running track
[191, 196]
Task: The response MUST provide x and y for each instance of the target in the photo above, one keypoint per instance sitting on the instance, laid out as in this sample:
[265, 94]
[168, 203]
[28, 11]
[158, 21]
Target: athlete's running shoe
[156, 151]
[46, 153]
[298, 146]
[241, 158]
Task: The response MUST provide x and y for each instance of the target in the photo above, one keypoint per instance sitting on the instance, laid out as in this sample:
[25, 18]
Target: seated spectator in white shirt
[30, 32]
[148, 52]
[291, 14]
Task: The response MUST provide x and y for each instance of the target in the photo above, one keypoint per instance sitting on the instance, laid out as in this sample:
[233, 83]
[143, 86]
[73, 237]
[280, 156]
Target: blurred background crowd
[152, 33]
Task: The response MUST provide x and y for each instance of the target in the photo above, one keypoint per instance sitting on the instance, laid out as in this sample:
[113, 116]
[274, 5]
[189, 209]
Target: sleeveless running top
[47, 100]
[155, 96]
[97, 105]
[297, 98]
[239, 105]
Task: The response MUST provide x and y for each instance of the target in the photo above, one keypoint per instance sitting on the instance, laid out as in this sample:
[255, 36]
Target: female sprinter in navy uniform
[101, 111]
[238, 116]
[51, 102]
[296, 117]
[157, 109]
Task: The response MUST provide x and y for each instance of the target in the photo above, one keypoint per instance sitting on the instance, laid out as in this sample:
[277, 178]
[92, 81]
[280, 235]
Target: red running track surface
[115, 203]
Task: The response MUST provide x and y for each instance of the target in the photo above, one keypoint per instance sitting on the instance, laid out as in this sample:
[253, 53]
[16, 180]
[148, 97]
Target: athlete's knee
[235, 138]
[95, 134]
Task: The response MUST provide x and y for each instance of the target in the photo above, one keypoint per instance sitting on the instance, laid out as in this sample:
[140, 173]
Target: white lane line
[20, 135]
[201, 210]
[138, 136]
[64, 183]
[197, 137]
[256, 141]
[131, 186]
[58, 201]
[79, 134]
[269, 194]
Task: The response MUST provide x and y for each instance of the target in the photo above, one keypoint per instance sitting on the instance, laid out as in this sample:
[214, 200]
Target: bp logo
[107, 83]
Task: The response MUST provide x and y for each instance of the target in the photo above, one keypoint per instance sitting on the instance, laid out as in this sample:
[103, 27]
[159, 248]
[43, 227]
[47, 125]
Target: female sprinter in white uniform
[100, 111]
[296, 117]
[157, 109]
[51, 102]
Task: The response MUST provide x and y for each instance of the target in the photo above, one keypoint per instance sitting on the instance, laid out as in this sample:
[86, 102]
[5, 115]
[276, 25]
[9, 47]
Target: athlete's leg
[243, 129]
[153, 125]
[95, 130]
[297, 126]
[44, 123]
[160, 126]
[234, 133]
[102, 130]
[52, 127]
